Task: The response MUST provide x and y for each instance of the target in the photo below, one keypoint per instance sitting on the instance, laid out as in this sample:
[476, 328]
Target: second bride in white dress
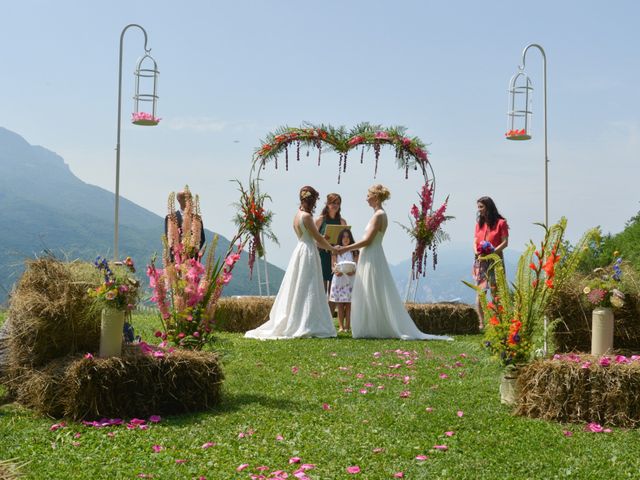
[300, 309]
[377, 310]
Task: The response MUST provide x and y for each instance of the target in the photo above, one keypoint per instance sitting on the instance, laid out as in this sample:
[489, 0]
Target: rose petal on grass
[208, 445]
[157, 448]
[279, 438]
[421, 458]
[242, 467]
[442, 448]
[307, 466]
[155, 418]
[449, 434]
[353, 469]
[326, 406]
[378, 450]
[294, 460]
[180, 461]
[398, 475]
[405, 394]
[567, 433]
[57, 426]
[443, 376]
[460, 413]
[429, 409]
[294, 370]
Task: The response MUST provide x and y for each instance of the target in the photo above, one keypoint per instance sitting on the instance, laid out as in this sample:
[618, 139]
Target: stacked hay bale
[53, 324]
[567, 391]
[239, 314]
[573, 331]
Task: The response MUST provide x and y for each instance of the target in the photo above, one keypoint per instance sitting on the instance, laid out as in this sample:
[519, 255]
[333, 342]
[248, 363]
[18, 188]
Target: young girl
[342, 283]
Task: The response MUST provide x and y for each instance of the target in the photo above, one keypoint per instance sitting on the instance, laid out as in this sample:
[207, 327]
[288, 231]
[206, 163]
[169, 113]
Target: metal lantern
[146, 74]
[519, 107]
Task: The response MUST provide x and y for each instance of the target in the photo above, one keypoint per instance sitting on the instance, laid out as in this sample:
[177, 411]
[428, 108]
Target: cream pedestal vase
[601, 331]
[508, 388]
[111, 326]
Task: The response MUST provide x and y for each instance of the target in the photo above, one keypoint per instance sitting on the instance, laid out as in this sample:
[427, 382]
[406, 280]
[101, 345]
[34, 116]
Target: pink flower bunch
[186, 293]
[143, 118]
[426, 229]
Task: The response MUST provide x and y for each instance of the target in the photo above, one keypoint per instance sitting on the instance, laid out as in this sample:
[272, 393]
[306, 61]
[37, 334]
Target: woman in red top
[491, 236]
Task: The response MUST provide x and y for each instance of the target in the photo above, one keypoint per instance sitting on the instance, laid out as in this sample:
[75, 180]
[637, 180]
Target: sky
[231, 72]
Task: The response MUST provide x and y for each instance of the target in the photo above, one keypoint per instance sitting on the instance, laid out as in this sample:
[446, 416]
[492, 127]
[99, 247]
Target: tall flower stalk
[426, 229]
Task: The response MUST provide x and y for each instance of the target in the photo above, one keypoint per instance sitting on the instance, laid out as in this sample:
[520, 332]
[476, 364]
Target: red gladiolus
[532, 266]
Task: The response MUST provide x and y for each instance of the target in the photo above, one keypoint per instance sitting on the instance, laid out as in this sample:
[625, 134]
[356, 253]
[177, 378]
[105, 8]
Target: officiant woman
[330, 215]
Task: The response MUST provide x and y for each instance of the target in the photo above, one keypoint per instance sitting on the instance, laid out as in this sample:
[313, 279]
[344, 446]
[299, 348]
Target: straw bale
[240, 314]
[573, 331]
[9, 470]
[444, 318]
[133, 385]
[50, 313]
[563, 391]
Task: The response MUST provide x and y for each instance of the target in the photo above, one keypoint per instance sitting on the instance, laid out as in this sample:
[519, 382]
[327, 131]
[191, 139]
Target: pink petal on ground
[443, 376]
[111, 434]
[307, 466]
[376, 354]
[88, 355]
[57, 426]
[157, 448]
[405, 394]
[242, 467]
[326, 406]
[180, 461]
[364, 391]
[155, 418]
[75, 444]
[449, 434]
[77, 435]
[300, 475]
[143, 427]
[279, 438]
[241, 435]
[353, 469]
[208, 445]
[593, 427]
[567, 433]
[348, 390]
[262, 468]
[607, 430]
[359, 375]
[137, 421]
[429, 409]
[369, 385]
[378, 450]
[294, 370]
[421, 458]
[294, 460]
[460, 413]
[398, 475]
[442, 448]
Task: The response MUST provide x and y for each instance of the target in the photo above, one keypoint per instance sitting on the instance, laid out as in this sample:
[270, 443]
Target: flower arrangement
[143, 118]
[187, 291]
[515, 315]
[603, 291]
[253, 220]
[119, 289]
[188, 233]
[426, 229]
[517, 135]
[410, 151]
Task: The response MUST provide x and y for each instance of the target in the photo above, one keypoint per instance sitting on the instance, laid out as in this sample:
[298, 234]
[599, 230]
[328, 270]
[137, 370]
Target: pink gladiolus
[88, 356]
[604, 361]
[415, 212]
[585, 365]
[353, 469]
[622, 359]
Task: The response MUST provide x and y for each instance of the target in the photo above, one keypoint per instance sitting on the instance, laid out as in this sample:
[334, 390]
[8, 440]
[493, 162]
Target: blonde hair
[379, 191]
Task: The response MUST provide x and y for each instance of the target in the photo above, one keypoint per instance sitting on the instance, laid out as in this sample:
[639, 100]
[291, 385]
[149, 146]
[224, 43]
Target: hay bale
[134, 385]
[50, 313]
[573, 332]
[241, 314]
[9, 470]
[444, 318]
[563, 391]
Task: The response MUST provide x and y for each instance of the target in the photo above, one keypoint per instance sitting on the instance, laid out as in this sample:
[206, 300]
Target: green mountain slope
[44, 207]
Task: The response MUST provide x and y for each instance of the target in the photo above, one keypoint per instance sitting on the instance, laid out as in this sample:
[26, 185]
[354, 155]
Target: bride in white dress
[300, 309]
[376, 308]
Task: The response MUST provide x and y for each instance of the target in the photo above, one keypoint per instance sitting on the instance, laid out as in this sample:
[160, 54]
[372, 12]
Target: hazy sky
[233, 71]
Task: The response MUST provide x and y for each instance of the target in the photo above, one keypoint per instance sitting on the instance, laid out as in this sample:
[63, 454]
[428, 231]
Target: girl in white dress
[342, 282]
[300, 308]
[376, 308]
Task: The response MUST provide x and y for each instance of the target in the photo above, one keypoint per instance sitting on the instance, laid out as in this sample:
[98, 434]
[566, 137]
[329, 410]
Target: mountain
[45, 208]
[444, 284]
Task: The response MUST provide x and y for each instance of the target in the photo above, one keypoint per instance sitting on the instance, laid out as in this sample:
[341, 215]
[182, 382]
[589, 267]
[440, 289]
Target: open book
[332, 231]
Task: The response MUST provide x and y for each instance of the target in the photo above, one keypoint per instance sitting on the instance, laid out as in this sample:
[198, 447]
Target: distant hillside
[444, 284]
[43, 206]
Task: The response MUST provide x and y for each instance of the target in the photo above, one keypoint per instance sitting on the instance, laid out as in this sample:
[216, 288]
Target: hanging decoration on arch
[410, 152]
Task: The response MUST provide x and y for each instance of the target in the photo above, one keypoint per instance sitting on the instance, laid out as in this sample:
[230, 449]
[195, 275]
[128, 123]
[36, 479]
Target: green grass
[264, 395]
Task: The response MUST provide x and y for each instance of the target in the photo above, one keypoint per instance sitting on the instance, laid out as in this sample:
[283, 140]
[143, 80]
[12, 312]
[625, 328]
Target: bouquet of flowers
[426, 229]
[253, 220]
[515, 315]
[144, 118]
[119, 289]
[602, 290]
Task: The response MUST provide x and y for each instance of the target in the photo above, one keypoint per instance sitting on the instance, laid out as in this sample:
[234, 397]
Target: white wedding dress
[300, 309]
[376, 308]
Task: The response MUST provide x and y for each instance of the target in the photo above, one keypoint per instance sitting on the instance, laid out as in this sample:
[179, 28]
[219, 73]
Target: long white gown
[300, 309]
[377, 310]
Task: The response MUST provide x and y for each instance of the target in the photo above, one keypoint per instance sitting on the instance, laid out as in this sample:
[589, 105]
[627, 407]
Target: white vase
[601, 331]
[508, 388]
[111, 326]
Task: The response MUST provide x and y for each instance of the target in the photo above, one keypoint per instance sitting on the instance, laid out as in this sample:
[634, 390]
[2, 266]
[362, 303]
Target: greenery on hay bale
[575, 391]
[573, 328]
[50, 313]
[441, 318]
[133, 385]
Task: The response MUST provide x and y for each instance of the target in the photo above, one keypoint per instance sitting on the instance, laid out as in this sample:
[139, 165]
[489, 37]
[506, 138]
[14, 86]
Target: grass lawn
[375, 404]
